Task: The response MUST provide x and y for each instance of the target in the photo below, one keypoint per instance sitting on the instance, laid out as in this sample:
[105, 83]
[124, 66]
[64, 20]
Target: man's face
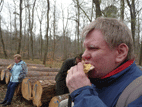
[98, 53]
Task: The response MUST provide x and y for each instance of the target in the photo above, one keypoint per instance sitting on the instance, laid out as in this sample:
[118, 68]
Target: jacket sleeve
[86, 97]
[63, 71]
[23, 72]
[136, 103]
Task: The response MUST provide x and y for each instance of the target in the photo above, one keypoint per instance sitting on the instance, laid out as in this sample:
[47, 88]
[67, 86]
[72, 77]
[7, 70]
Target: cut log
[3, 74]
[43, 91]
[18, 90]
[26, 89]
[35, 65]
[1, 68]
[7, 77]
[42, 77]
[39, 73]
[54, 102]
[27, 85]
[43, 69]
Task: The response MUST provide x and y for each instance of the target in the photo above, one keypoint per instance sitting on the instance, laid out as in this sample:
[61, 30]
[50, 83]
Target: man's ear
[122, 52]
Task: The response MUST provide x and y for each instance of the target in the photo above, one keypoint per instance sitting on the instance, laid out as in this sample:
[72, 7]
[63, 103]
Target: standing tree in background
[47, 29]
[1, 37]
[31, 22]
[98, 10]
[133, 17]
[40, 18]
[122, 4]
[20, 38]
[64, 35]
[54, 30]
[2, 41]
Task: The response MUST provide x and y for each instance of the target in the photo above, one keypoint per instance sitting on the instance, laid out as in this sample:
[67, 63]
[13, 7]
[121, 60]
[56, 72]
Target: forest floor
[19, 101]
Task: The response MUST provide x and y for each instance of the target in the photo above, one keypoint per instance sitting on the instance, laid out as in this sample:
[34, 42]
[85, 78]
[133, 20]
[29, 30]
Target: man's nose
[86, 55]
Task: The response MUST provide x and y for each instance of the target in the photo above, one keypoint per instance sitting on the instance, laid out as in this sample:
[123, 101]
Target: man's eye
[94, 48]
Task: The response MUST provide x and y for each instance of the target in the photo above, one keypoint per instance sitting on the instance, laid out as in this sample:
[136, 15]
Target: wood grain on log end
[26, 89]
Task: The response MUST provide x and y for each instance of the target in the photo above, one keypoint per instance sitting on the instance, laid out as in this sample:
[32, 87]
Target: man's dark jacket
[60, 78]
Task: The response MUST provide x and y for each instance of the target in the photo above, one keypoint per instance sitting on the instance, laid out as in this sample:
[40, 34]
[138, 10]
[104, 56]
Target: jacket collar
[99, 82]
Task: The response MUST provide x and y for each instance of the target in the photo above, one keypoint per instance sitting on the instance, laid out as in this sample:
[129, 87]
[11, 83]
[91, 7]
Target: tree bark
[54, 102]
[39, 73]
[46, 46]
[133, 18]
[43, 91]
[98, 10]
[20, 38]
[122, 4]
[2, 41]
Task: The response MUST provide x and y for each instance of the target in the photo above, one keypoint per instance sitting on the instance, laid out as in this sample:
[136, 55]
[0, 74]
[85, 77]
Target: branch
[2, 1]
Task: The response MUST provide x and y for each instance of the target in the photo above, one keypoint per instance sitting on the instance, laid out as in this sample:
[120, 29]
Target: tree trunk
[46, 46]
[122, 4]
[43, 69]
[140, 59]
[133, 18]
[43, 91]
[2, 41]
[3, 75]
[20, 38]
[54, 102]
[78, 22]
[39, 73]
[26, 88]
[98, 10]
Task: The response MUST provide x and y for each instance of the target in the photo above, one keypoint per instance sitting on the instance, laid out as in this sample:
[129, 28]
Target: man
[109, 48]
[18, 71]
[61, 76]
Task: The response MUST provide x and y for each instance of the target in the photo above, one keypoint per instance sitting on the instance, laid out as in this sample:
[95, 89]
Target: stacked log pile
[54, 102]
[38, 86]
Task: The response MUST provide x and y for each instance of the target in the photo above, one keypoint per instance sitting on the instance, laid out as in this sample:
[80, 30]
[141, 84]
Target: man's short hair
[18, 56]
[115, 32]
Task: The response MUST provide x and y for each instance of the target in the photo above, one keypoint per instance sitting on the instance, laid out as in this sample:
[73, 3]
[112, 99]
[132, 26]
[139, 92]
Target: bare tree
[15, 26]
[2, 41]
[31, 21]
[20, 38]
[54, 30]
[122, 4]
[98, 10]
[46, 46]
[133, 17]
[1, 4]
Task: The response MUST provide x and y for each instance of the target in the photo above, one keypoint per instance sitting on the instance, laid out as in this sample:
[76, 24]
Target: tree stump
[54, 102]
[43, 91]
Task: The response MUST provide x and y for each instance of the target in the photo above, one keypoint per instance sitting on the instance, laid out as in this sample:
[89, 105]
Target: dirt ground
[17, 101]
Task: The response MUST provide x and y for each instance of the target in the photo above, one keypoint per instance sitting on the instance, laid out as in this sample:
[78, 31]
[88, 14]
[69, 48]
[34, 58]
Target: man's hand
[76, 78]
